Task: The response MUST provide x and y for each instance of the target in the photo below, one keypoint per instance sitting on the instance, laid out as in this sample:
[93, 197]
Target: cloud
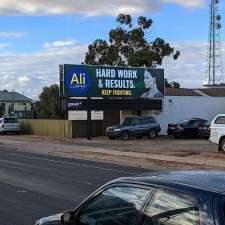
[23, 80]
[30, 72]
[187, 3]
[5, 45]
[12, 35]
[86, 7]
[191, 68]
[60, 44]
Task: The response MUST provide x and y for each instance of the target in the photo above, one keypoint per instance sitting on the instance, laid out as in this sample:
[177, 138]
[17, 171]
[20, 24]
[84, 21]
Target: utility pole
[215, 66]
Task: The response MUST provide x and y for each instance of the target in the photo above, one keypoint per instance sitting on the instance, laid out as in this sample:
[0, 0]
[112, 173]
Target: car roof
[207, 180]
[134, 117]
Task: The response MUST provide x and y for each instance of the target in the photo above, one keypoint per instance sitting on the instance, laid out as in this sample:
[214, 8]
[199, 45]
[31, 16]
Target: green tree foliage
[50, 103]
[172, 84]
[128, 46]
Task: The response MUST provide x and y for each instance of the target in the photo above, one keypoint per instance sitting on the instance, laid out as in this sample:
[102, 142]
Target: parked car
[190, 128]
[136, 126]
[217, 132]
[9, 125]
[164, 198]
[204, 130]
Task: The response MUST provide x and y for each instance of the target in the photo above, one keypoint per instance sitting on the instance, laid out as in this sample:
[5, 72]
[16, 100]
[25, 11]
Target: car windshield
[184, 122]
[126, 122]
[11, 120]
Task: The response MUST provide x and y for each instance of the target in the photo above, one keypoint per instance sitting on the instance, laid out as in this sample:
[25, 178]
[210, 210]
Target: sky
[38, 35]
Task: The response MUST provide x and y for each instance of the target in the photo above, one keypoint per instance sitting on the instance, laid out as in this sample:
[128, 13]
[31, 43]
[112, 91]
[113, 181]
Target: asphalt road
[33, 185]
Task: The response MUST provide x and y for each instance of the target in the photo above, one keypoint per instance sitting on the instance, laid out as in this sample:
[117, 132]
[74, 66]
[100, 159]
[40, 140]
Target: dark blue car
[164, 198]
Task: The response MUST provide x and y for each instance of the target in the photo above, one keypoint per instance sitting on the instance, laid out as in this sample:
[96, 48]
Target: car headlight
[117, 130]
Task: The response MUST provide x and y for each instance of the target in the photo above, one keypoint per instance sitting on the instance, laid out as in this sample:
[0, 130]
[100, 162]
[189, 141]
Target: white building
[182, 104]
[13, 102]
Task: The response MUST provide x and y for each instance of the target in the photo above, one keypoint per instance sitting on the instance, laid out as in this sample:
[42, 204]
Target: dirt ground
[162, 152]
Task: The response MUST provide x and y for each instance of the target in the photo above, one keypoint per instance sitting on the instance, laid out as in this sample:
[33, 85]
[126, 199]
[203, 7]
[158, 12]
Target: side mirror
[68, 218]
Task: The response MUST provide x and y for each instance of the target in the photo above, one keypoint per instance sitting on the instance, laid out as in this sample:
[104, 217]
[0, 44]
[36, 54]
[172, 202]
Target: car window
[172, 208]
[147, 120]
[194, 123]
[114, 206]
[1, 120]
[10, 120]
[184, 122]
[220, 120]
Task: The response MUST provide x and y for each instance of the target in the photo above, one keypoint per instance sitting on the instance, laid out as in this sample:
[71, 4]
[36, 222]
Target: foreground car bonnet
[50, 220]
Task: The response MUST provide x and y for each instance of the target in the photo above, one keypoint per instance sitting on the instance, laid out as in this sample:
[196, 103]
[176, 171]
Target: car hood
[50, 220]
[114, 127]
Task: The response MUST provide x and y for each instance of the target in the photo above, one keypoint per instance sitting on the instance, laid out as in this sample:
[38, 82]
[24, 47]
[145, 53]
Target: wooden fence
[61, 128]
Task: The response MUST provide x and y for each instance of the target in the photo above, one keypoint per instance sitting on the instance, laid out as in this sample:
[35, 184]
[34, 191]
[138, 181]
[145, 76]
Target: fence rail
[61, 128]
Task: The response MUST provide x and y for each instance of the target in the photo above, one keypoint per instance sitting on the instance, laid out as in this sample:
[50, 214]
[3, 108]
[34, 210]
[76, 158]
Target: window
[146, 120]
[126, 122]
[220, 120]
[11, 120]
[194, 123]
[115, 206]
[172, 208]
[184, 122]
[137, 122]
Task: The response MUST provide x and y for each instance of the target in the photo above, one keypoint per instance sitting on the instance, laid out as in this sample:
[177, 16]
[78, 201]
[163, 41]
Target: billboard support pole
[89, 136]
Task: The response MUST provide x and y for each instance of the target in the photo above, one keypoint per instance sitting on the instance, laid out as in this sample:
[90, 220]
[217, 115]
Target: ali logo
[78, 80]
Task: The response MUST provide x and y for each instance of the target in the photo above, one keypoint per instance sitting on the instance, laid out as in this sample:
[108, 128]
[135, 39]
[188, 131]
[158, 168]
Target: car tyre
[222, 145]
[152, 134]
[124, 135]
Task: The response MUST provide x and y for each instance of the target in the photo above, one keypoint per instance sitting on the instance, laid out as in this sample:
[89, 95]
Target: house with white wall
[14, 103]
[183, 103]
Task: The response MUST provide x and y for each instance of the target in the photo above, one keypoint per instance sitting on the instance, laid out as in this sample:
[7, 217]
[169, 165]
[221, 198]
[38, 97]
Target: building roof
[212, 92]
[208, 180]
[6, 96]
[180, 92]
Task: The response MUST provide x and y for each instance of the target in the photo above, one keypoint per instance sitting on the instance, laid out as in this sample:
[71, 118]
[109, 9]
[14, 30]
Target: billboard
[111, 82]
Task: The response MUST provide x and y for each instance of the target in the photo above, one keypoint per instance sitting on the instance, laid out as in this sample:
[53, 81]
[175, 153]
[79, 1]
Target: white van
[217, 132]
[9, 124]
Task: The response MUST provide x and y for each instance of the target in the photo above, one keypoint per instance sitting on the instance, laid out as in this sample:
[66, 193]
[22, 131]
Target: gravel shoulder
[161, 153]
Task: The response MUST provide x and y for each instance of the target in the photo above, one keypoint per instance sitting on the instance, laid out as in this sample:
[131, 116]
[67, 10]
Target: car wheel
[111, 138]
[124, 135]
[222, 145]
[152, 134]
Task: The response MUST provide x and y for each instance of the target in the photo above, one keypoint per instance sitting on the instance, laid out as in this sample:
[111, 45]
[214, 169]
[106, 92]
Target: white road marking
[73, 163]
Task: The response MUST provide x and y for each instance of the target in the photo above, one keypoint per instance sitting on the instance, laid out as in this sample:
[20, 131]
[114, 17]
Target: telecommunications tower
[215, 64]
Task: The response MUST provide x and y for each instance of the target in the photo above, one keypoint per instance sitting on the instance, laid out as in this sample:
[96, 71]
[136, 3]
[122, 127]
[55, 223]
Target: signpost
[119, 88]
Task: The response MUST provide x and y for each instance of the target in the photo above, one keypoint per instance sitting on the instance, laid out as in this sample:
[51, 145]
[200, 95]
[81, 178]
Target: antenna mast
[215, 64]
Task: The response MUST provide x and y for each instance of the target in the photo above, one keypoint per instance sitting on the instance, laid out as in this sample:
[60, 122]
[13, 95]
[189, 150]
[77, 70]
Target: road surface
[33, 185]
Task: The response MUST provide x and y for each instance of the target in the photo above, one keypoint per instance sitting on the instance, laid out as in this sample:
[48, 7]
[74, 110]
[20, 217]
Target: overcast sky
[38, 35]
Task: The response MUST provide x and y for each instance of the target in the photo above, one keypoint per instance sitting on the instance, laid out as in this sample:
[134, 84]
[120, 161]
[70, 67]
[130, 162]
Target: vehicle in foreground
[217, 132]
[189, 128]
[135, 126]
[162, 198]
[9, 125]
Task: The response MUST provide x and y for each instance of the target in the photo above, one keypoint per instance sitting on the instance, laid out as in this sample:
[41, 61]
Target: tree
[128, 46]
[175, 84]
[172, 84]
[50, 103]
